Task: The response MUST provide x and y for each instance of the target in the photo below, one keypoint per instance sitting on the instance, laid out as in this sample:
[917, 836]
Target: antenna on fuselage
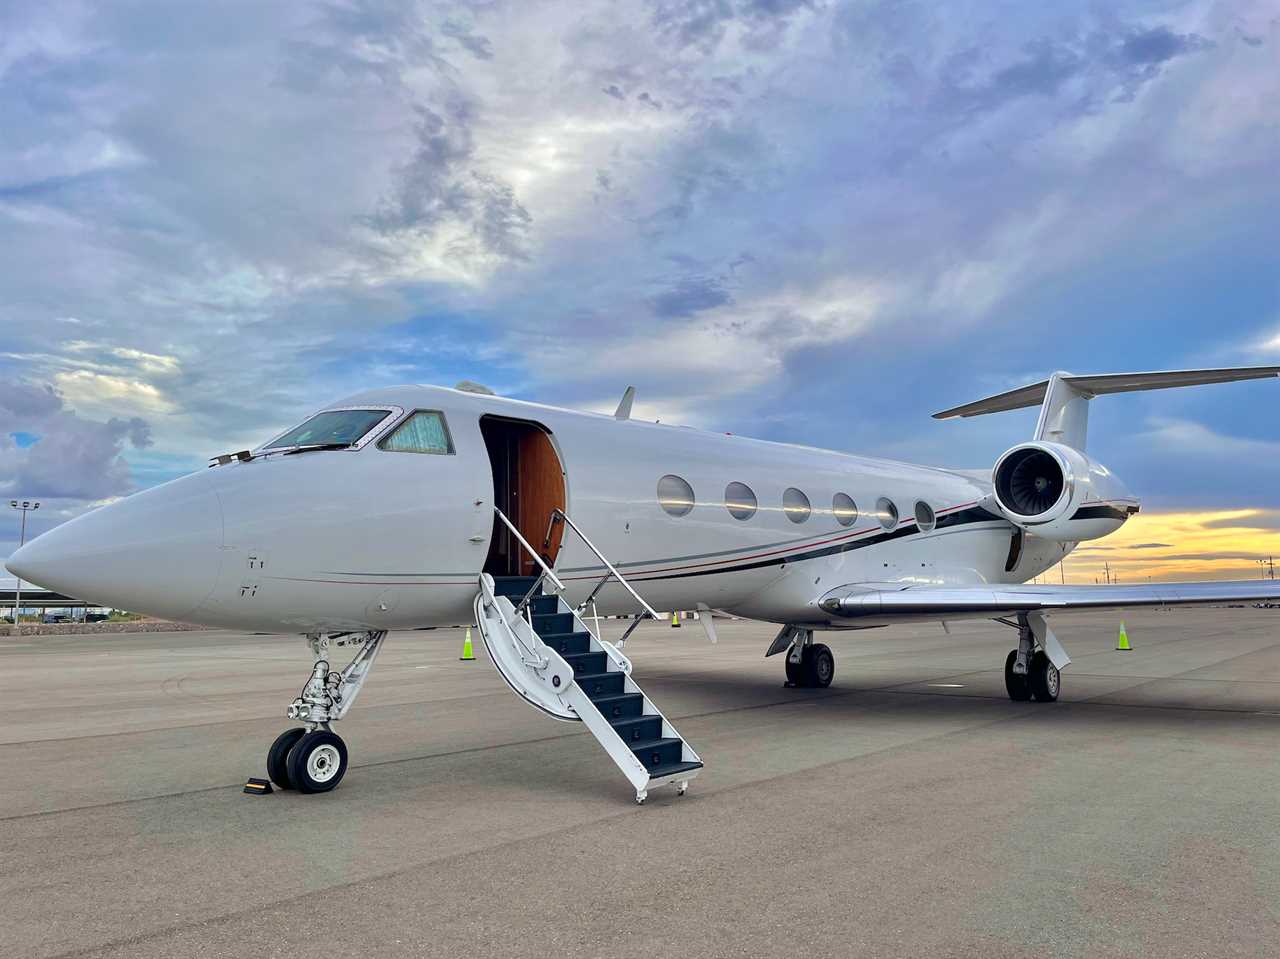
[623, 411]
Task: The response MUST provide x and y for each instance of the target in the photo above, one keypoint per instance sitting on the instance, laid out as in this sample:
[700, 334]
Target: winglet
[623, 411]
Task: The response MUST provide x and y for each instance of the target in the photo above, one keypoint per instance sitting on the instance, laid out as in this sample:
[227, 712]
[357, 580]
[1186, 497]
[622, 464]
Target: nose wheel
[317, 762]
[278, 756]
[310, 762]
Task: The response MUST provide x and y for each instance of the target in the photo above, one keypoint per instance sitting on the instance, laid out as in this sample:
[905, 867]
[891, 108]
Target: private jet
[419, 506]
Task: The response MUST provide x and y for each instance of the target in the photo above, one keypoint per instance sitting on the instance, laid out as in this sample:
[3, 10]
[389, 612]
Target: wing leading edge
[964, 602]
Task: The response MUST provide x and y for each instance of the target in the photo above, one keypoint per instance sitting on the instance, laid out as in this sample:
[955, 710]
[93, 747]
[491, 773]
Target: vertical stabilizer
[1064, 415]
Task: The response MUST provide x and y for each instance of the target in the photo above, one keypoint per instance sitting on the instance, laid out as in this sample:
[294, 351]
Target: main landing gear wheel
[819, 666]
[1044, 678]
[1018, 687]
[795, 675]
[816, 669]
[278, 756]
[317, 762]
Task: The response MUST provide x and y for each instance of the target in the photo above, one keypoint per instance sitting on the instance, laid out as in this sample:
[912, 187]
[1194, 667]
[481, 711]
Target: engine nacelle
[1056, 492]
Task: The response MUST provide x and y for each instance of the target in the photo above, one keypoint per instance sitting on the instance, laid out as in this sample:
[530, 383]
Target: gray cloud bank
[69, 457]
[788, 217]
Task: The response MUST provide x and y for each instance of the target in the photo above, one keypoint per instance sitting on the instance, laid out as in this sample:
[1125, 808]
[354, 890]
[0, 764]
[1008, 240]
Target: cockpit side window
[331, 428]
[423, 432]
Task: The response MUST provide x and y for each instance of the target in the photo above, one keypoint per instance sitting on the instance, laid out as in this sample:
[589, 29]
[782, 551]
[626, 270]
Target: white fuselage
[372, 538]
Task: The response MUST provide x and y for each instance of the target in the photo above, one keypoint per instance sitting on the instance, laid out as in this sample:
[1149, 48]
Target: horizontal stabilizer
[1091, 386]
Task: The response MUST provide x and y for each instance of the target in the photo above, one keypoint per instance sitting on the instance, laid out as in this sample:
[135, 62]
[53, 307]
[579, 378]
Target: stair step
[672, 769]
[638, 729]
[552, 623]
[545, 604]
[597, 682]
[620, 707]
[586, 663]
[513, 586]
[658, 753]
[567, 644]
[596, 685]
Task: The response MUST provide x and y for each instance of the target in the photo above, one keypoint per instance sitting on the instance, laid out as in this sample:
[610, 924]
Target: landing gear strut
[810, 665]
[1029, 673]
[313, 758]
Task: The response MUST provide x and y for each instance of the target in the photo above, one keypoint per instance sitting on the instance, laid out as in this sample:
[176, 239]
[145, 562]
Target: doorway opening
[528, 486]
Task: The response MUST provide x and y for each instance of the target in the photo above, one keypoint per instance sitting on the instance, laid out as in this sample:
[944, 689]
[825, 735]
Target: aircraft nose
[157, 552]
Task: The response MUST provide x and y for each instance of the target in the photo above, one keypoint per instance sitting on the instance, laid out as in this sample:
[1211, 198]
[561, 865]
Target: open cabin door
[528, 485]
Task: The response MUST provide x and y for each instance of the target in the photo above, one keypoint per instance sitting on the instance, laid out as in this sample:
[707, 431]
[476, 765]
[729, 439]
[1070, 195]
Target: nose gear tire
[317, 762]
[278, 756]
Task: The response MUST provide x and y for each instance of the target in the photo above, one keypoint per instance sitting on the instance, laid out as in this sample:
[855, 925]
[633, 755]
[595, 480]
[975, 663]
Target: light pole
[24, 506]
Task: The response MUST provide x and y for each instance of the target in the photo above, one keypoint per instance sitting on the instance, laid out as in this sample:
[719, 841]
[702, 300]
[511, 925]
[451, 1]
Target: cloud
[690, 295]
[1157, 45]
[438, 194]
[71, 458]
[1091, 67]
[478, 46]
[811, 221]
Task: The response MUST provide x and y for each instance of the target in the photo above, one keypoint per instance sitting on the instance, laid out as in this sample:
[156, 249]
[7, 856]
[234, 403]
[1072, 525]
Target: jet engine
[1056, 492]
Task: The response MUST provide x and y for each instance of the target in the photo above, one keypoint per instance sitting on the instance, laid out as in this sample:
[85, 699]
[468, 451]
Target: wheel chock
[258, 787]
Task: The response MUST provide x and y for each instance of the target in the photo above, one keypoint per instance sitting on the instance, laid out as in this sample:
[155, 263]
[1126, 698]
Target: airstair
[547, 654]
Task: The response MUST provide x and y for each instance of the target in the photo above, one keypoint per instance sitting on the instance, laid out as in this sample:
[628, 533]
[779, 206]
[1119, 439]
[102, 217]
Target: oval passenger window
[675, 495]
[739, 500]
[796, 505]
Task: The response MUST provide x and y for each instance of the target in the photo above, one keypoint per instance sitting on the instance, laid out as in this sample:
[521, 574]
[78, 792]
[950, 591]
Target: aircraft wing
[891, 602]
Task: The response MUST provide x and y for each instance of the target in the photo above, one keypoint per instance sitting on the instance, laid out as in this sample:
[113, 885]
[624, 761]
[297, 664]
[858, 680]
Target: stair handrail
[490, 599]
[546, 570]
[608, 565]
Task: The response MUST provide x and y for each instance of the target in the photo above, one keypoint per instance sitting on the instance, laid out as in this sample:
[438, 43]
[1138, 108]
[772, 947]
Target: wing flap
[964, 602]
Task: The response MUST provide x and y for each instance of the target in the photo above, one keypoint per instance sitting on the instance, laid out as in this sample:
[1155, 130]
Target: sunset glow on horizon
[1180, 546]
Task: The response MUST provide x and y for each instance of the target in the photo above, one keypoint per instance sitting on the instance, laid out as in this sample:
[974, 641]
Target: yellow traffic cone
[675, 620]
[468, 654]
[1123, 644]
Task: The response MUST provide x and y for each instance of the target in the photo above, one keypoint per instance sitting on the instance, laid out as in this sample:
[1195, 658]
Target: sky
[803, 220]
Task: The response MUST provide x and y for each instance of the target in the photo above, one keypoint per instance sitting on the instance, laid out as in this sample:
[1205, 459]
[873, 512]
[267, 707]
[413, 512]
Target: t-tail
[1050, 487]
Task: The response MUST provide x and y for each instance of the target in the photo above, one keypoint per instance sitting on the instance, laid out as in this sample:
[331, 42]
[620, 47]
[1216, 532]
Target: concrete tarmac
[910, 809]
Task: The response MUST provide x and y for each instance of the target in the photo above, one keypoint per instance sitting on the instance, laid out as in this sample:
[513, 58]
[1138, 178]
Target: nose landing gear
[313, 758]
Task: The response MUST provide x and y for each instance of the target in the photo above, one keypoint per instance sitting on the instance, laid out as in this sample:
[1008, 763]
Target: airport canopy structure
[41, 599]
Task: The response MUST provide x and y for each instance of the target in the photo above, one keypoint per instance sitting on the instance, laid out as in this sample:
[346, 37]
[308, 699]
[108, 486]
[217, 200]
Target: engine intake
[1030, 481]
[1056, 492]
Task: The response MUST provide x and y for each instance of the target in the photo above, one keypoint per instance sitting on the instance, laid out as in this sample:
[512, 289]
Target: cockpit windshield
[333, 428]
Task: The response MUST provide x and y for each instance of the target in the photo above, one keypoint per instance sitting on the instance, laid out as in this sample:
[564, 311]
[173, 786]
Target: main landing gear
[810, 665]
[1029, 673]
[313, 758]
